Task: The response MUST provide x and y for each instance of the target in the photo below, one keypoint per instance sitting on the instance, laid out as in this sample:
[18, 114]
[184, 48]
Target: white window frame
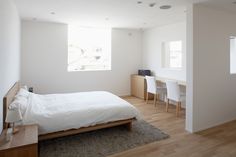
[232, 54]
[89, 49]
[166, 55]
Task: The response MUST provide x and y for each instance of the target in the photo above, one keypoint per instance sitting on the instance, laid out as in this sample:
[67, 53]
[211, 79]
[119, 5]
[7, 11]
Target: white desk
[163, 80]
[139, 87]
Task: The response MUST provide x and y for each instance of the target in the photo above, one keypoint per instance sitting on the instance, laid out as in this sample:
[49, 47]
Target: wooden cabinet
[22, 144]
[139, 87]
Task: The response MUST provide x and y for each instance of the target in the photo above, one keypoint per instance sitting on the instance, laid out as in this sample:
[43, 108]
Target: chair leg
[167, 105]
[147, 98]
[177, 109]
[180, 108]
[155, 99]
[165, 98]
[158, 97]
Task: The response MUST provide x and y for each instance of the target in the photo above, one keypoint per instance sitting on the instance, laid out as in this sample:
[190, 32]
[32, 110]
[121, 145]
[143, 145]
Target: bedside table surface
[26, 135]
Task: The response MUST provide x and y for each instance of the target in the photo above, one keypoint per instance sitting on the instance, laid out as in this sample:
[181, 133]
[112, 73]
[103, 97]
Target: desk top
[163, 80]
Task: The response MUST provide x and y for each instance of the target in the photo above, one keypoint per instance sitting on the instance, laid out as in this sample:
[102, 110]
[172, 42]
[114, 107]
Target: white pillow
[20, 103]
[22, 93]
[24, 87]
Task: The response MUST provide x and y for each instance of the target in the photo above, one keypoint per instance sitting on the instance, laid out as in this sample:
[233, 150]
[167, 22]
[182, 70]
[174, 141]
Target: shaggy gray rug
[103, 142]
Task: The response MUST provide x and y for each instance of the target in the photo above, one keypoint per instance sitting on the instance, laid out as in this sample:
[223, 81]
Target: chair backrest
[151, 84]
[173, 90]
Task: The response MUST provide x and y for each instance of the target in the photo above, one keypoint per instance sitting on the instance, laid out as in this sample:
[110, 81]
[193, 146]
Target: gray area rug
[101, 143]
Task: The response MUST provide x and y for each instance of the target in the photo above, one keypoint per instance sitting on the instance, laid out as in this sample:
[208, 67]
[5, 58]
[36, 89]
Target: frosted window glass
[172, 54]
[89, 49]
[233, 55]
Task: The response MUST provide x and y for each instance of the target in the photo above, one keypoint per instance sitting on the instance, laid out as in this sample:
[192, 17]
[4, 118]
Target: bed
[60, 115]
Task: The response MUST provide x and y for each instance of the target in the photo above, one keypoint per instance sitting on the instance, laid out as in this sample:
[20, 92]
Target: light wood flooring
[215, 142]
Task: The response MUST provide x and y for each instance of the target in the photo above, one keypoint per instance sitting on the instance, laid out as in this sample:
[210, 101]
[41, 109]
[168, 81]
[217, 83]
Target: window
[233, 55]
[172, 54]
[89, 49]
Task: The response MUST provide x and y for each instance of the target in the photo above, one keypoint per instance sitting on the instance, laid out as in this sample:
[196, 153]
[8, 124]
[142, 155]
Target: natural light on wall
[233, 55]
[172, 54]
[89, 49]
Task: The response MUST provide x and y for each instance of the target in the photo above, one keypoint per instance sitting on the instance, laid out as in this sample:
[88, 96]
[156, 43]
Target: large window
[89, 49]
[172, 54]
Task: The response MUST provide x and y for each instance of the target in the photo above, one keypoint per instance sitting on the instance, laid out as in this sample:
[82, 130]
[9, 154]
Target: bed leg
[129, 126]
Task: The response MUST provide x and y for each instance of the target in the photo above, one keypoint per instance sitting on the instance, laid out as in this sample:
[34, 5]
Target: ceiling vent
[165, 7]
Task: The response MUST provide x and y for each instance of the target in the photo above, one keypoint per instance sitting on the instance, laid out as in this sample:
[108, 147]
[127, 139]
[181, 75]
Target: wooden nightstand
[22, 144]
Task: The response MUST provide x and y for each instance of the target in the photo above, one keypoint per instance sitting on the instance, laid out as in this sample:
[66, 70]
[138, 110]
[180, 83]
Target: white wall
[191, 117]
[44, 61]
[152, 40]
[213, 92]
[9, 49]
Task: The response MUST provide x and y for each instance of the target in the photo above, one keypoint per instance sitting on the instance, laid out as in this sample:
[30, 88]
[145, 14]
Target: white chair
[173, 93]
[154, 89]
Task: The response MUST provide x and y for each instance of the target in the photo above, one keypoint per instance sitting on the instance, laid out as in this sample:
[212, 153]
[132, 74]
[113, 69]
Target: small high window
[172, 54]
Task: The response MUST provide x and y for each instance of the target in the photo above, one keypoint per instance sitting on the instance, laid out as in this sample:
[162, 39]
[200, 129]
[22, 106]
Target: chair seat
[182, 97]
[161, 89]
[182, 94]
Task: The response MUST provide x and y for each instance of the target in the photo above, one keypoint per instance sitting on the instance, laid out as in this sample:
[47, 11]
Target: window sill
[173, 69]
[88, 70]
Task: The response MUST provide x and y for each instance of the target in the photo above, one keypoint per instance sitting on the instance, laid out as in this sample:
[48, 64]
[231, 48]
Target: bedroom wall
[9, 49]
[44, 61]
[152, 40]
[212, 100]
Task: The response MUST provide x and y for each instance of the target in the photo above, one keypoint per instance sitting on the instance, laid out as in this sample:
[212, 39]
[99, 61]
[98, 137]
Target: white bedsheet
[56, 112]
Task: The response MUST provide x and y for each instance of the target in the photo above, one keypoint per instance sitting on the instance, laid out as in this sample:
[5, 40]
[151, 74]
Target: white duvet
[57, 112]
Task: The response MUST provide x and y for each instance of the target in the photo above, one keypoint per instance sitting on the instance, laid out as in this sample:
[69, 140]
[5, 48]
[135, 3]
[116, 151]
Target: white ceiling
[106, 13]
[120, 13]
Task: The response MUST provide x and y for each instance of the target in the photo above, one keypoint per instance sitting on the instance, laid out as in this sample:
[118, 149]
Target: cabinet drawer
[24, 151]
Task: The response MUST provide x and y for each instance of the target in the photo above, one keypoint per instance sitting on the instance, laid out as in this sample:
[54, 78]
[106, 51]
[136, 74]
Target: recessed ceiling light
[139, 2]
[53, 13]
[165, 7]
[152, 4]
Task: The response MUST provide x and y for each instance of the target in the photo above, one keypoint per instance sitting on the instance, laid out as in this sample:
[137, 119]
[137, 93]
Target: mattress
[58, 112]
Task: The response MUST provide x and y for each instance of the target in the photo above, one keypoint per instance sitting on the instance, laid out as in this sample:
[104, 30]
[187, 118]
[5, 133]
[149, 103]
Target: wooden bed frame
[9, 97]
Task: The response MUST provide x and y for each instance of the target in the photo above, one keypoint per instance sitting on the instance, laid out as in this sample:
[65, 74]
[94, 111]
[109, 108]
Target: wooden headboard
[8, 98]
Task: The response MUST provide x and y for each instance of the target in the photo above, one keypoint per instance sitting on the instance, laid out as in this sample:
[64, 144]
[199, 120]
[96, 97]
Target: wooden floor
[216, 142]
